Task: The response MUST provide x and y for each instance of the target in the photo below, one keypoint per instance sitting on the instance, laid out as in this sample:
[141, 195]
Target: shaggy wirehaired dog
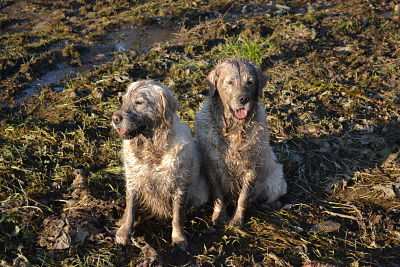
[232, 133]
[161, 161]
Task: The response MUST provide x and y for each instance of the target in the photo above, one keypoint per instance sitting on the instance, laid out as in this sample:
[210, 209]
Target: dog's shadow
[341, 187]
[315, 166]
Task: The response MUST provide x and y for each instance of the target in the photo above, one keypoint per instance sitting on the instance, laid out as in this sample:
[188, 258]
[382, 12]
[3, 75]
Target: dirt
[332, 100]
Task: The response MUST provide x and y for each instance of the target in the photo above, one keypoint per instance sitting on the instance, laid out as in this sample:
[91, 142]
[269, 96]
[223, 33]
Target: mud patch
[83, 217]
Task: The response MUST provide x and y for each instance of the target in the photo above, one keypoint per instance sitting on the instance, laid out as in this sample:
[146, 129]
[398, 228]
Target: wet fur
[239, 162]
[161, 165]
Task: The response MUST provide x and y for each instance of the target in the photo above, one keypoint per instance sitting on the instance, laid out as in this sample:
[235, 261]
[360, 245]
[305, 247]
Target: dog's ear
[261, 80]
[213, 80]
[172, 104]
[169, 105]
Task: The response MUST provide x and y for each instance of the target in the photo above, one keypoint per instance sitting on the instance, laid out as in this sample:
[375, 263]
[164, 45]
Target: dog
[161, 160]
[232, 133]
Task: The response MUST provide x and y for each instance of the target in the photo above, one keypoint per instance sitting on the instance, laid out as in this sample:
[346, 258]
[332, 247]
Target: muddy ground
[332, 99]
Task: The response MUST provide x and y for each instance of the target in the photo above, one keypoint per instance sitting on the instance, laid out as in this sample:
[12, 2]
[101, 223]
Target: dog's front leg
[219, 213]
[238, 217]
[178, 220]
[125, 230]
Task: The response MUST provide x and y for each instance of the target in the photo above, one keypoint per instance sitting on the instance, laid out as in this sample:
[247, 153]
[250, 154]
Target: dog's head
[238, 83]
[146, 105]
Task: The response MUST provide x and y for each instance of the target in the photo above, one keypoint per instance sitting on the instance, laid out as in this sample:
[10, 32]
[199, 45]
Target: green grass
[254, 50]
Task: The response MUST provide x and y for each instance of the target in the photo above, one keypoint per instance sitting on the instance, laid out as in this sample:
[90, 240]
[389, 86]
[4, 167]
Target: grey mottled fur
[232, 133]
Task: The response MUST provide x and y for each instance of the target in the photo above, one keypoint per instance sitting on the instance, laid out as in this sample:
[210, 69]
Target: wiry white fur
[162, 165]
[178, 169]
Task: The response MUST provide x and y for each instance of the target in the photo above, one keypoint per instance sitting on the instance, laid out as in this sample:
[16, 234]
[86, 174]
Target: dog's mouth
[126, 135]
[241, 113]
[129, 134]
[121, 131]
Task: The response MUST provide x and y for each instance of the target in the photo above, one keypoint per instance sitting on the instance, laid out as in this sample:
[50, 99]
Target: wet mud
[332, 100]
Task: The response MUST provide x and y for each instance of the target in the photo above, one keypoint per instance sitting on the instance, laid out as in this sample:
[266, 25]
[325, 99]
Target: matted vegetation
[332, 101]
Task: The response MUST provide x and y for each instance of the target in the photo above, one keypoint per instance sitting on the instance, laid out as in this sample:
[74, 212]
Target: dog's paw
[236, 222]
[123, 235]
[219, 217]
[180, 243]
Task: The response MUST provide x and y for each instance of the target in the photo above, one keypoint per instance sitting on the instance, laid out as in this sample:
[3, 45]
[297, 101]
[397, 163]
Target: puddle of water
[50, 77]
[122, 41]
[61, 72]
[143, 39]
[59, 88]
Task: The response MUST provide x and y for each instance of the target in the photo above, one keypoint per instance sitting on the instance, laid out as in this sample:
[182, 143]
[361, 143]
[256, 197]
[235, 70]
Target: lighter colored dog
[161, 161]
[232, 133]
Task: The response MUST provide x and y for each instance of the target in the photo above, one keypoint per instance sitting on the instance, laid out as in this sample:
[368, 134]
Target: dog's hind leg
[272, 188]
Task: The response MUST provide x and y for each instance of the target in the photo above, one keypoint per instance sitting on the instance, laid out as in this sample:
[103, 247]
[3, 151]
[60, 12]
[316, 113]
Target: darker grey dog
[232, 132]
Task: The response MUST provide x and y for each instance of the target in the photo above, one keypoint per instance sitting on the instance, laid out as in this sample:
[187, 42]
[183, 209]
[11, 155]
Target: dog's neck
[152, 146]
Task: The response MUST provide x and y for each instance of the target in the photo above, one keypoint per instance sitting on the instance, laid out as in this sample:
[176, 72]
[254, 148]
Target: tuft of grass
[254, 50]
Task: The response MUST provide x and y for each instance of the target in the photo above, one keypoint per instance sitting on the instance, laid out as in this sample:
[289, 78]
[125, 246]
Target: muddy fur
[161, 161]
[238, 159]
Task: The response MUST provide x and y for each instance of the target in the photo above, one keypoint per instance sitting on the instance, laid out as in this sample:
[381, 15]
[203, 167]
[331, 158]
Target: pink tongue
[121, 131]
[241, 113]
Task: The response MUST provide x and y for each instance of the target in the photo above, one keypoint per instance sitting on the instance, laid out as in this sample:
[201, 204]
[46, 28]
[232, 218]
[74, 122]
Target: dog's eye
[139, 102]
[229, 82]
[250, 81]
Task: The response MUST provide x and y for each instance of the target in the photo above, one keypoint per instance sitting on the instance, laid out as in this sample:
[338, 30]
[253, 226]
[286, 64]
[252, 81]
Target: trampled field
[332, 99]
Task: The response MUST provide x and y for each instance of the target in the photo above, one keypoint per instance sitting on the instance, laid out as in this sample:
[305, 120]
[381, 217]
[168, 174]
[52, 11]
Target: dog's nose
[243, 99]
[116, 118]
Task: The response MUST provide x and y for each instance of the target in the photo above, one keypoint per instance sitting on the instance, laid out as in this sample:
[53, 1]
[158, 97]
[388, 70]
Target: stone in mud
[283, 7]
[62, 242]
[90, 15]
[73, 94]
[208, 231]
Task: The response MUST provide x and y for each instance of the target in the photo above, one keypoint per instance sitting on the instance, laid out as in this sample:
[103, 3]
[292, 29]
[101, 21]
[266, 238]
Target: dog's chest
[240, 154]
[154, 184]
[243, 149]
[147, 177]
[237, 157]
